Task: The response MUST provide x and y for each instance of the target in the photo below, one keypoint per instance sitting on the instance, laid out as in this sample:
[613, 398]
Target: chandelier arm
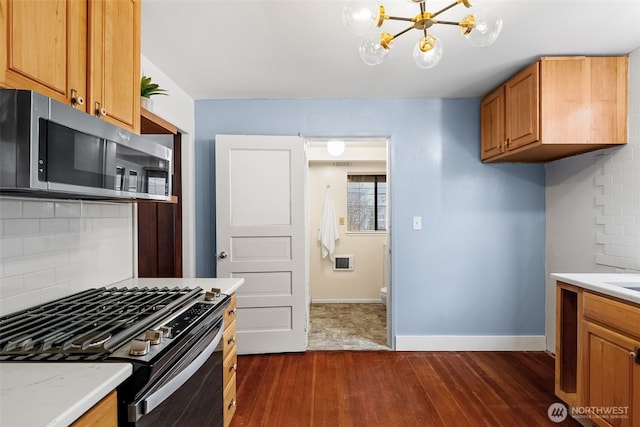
[448, 22]
[398, 18]
[445, 9]
[402, 32]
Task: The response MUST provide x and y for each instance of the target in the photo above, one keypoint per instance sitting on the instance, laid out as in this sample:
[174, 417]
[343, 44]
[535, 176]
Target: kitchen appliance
[49, 149]
[171, 336]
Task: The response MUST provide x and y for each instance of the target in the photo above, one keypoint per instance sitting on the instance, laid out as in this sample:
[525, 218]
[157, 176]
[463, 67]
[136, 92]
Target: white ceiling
[236, 49]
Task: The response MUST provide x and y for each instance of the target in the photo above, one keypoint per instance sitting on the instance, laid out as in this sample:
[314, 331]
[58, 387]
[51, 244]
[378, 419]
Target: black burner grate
[93, 322]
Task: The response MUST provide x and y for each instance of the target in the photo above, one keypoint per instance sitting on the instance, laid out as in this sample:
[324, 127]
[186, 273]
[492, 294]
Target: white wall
[363, 283]
[53, 248]
[178, 108]
[593, 208]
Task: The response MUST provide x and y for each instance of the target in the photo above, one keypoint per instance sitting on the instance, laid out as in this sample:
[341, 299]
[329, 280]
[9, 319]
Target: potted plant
[148, 89]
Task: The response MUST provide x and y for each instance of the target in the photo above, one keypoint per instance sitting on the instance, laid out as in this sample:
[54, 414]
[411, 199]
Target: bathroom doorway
[348, 308]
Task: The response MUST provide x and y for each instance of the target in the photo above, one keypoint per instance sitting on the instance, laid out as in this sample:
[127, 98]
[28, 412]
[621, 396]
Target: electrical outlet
[417, 223]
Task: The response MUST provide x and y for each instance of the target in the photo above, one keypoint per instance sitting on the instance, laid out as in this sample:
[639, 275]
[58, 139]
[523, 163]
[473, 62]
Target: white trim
[471, 343]
[345, 301]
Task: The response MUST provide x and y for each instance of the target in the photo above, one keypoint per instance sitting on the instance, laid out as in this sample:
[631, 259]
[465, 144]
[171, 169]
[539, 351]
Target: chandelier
[362, 17]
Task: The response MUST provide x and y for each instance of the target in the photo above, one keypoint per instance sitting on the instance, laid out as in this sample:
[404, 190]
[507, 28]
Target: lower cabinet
[103, 413]
[230, 364]
[598, 357]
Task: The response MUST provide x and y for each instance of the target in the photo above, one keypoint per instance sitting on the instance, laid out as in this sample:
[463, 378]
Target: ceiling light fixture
[361, 17]
[335, 147]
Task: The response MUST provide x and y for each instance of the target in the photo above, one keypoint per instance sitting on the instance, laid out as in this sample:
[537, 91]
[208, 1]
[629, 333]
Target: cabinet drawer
[614, 314]
[230, 311]
[230, 367]
[229, 337]
[230, 401]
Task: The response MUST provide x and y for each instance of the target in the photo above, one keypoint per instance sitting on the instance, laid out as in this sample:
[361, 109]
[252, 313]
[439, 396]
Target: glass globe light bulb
[488, 25]
[371, 51]
[361, 16]
[429, 58]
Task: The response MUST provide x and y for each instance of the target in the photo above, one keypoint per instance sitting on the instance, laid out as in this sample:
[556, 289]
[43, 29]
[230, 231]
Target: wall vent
[343, 164]
[343, 262]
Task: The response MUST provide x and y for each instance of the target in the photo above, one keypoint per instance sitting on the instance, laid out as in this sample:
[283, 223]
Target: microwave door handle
[156, 398]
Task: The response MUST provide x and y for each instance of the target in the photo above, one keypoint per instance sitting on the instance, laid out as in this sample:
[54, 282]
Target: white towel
[328, 231]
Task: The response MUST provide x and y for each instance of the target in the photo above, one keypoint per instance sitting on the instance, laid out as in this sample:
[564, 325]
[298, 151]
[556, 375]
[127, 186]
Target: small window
[366, 202]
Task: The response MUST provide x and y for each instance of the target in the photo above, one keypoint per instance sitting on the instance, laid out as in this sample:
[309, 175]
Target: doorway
[346, 303]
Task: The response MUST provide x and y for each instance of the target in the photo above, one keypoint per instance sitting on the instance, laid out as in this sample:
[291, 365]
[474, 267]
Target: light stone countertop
[226, 285]
[605, 283]
[54, 394]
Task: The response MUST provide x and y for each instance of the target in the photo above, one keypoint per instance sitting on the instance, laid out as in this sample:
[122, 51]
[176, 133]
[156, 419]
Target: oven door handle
[156, 398]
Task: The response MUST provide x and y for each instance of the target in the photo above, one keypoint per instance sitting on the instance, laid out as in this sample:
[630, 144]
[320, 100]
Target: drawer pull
[234, 310]
[635, 355]
[233, 367]
[232, 404]
[231, 340]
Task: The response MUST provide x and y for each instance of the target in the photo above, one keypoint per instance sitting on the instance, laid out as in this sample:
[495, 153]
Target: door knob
[222, 255]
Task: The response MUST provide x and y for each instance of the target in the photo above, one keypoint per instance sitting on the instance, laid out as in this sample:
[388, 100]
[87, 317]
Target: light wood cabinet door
[492, 130]
[613, 377]
[114, 62]
[522, 107]
[46, 47]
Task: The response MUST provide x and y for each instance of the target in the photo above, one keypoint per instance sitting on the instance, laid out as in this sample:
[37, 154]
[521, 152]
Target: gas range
[127, 323]
[171, 336]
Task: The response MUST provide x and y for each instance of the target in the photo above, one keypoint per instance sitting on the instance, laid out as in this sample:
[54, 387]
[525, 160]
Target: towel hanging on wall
[328, 231]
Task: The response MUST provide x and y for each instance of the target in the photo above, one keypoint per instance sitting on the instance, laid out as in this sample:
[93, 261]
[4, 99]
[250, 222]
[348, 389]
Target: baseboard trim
[471, 343]
[345, 301]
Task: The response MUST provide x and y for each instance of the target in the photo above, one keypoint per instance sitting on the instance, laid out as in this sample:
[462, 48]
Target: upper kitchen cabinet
[79, 52]
[114, 62]
[556, 107]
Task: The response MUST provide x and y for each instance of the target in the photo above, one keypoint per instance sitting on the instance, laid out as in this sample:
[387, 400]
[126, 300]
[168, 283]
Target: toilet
[383, 295]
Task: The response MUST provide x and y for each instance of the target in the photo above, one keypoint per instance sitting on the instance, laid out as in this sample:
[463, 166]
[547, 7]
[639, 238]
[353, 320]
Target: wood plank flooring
[386, 388]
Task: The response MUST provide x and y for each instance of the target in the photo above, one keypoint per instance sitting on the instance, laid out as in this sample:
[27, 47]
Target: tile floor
[348, 327]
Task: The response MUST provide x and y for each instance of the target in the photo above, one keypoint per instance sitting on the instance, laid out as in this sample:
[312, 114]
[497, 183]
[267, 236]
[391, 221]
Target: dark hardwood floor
[386, 388]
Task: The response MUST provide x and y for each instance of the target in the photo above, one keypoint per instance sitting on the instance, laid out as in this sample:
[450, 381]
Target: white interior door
[260, 236]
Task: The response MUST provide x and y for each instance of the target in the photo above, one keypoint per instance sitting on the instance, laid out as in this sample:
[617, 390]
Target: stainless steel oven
[172, 338]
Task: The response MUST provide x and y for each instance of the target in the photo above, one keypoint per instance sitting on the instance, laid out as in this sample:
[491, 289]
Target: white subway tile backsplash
[619, 176]
[68, 210]
[11, 248]
[52, 248]
[39, 279]
[37, 209]
[21, 227]
[51, 226]
[19, 266]
[35, 245]
[10, 208]
[12, 286]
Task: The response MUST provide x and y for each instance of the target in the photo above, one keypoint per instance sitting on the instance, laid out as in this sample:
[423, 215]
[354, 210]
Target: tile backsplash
[53, 248]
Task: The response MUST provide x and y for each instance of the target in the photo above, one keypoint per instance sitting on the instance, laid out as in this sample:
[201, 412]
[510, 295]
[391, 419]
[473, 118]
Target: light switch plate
[417, 223]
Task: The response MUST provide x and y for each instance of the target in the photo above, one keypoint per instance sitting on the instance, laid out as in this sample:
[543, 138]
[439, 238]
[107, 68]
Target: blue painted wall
[477, 266]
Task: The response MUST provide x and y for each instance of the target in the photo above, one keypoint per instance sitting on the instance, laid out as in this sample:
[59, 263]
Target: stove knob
[212, 294]
[153, 337]
[139, 348]
[166, 331]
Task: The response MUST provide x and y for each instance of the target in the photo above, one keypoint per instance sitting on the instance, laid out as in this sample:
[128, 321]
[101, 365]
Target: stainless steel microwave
[48, 149]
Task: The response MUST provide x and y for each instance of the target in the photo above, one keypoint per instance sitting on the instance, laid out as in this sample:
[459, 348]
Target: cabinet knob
[234, 310]
[75, 99]
[100, 111]
[231, 340]
[232, 404]
[233, 367]
[635, 355]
